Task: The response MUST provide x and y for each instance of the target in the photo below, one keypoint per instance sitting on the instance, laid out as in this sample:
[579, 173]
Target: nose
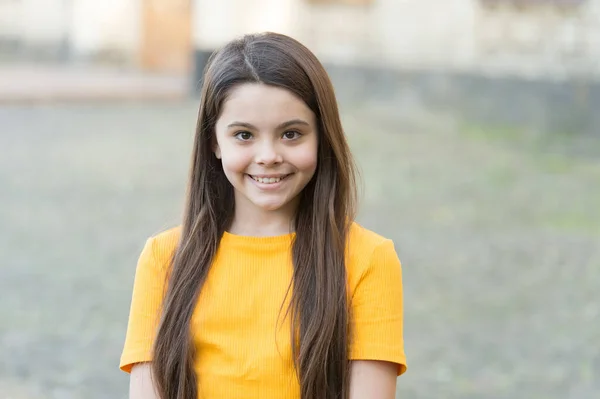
[268, 154]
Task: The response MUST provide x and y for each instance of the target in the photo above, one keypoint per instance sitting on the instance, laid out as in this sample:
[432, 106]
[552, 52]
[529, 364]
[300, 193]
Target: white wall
[461, 35]
[217, 22]
[10, 24]
[456, 35]
[340, 33]
[90, 26]
[107, 25]
[542, 41]
[402, 32]
[425, 33]
[39, 22]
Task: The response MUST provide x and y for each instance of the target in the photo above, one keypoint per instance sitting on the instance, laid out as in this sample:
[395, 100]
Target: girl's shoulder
[369, 252]
[360, 238]
[168, 236]
[163, 244]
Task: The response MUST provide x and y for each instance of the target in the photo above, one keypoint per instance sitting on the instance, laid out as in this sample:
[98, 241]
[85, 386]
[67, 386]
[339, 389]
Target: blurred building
[464, 41]
[550, 38]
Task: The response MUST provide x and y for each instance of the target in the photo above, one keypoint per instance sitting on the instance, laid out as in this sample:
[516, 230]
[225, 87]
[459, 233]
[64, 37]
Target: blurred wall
[107, 28]
[217, 22]
[59, 30]
[406, 34]
[535, 38]
[528, 38]
[551, 41]
[35, 27]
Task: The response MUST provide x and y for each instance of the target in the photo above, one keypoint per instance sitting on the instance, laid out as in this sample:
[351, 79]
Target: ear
[217, 151]
[214, 144]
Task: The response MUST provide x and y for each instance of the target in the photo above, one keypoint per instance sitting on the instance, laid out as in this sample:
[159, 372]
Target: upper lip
[269, 176]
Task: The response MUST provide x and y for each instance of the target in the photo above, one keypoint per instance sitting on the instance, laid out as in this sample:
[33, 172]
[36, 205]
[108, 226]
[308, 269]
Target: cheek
[233, 165]
[234, 160]
[306, 161]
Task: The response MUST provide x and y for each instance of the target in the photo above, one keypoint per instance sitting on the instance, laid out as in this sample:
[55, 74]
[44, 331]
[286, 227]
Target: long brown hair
[318, 305]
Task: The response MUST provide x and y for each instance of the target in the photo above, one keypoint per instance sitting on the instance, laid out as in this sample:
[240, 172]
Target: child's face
[267, 141]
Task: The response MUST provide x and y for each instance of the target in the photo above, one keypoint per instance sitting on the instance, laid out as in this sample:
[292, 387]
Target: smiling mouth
[269, 180]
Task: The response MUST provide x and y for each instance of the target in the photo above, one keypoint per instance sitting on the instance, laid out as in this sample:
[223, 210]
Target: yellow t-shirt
[243, 349]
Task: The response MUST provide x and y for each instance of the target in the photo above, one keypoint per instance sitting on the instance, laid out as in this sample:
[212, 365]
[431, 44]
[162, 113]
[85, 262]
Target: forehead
[263, 106]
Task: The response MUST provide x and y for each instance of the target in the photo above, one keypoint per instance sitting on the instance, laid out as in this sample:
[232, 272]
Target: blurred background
[476, 125]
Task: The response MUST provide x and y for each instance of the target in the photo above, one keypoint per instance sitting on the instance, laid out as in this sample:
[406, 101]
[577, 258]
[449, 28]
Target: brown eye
[244, 136]
[291, 135]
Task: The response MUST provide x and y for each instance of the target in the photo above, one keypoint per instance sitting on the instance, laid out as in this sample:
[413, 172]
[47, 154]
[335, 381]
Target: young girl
[269, 289]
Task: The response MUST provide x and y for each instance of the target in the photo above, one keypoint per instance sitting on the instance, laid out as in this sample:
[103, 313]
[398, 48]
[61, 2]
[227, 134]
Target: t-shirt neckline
[258, 240]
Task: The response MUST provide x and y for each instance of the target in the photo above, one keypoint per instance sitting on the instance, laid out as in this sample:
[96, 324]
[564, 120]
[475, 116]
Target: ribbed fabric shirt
[241, 338]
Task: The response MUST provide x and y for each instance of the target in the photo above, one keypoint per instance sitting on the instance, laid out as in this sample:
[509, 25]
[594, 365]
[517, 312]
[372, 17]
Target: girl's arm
[140, 382]
[373, 379]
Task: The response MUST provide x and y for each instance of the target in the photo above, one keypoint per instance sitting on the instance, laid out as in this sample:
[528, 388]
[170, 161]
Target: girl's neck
[260, 225]
[255, 221]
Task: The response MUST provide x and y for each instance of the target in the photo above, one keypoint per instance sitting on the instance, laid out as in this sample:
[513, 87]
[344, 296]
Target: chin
[270, 207]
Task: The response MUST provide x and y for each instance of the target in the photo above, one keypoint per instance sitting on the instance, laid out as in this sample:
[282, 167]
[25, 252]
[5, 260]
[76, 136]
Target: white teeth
[267, 180]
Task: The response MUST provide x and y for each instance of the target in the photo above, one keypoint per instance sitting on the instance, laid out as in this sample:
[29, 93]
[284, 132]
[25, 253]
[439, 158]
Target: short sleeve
[144, 311]
[377, 310]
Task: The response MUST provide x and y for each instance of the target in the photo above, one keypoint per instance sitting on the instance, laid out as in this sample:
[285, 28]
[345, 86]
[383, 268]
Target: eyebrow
[280, 126]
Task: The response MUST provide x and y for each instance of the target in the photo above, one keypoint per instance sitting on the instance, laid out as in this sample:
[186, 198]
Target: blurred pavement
[34, 83]
[499, 236]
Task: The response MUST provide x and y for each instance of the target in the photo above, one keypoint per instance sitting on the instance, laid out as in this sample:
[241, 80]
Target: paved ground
[498, 233]
[26, 83]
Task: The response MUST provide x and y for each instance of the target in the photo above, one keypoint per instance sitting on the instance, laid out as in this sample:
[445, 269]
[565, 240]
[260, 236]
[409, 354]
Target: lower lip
[268, 186]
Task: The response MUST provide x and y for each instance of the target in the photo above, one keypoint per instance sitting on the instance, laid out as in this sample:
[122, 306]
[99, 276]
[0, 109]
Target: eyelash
[296, 133]
[238, 134]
